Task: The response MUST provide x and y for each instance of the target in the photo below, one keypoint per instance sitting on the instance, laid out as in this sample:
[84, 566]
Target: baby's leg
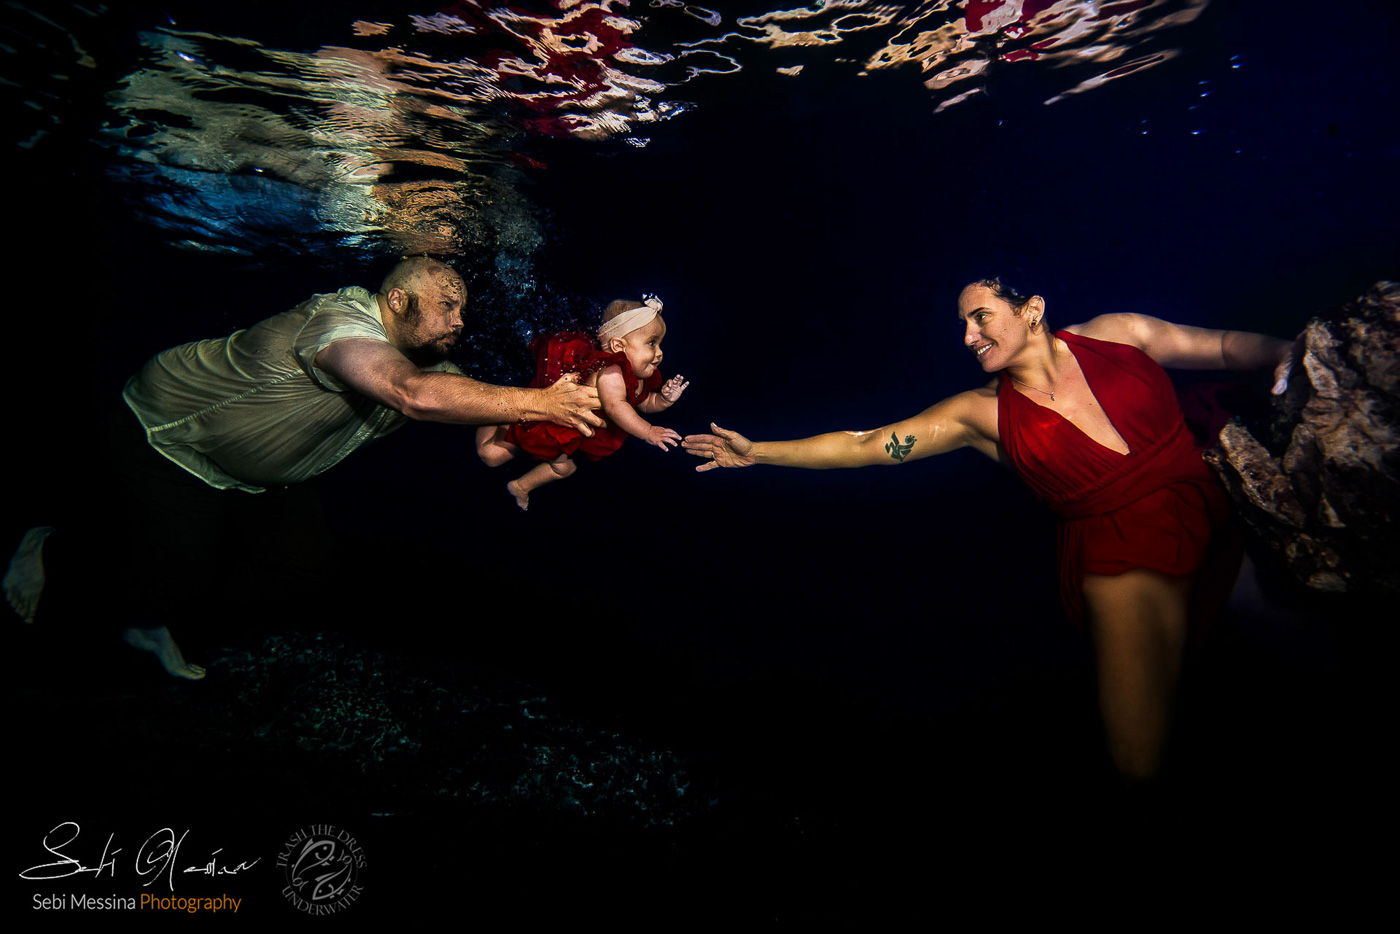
[492, 446]
[538, 476]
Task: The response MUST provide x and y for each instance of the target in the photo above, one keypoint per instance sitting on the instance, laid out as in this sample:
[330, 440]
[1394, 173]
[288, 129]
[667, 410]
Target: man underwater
[210, 423]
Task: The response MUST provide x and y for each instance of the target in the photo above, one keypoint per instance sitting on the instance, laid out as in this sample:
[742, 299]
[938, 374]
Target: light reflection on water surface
[410, 132]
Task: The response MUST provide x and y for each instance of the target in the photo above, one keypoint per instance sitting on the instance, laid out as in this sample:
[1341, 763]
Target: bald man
[266, 408]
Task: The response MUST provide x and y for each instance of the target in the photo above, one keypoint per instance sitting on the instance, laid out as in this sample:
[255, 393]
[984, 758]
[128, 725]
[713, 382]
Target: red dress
[575, 352]
[1155, 507]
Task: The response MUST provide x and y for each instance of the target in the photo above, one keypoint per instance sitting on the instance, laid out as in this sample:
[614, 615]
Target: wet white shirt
[251, 410]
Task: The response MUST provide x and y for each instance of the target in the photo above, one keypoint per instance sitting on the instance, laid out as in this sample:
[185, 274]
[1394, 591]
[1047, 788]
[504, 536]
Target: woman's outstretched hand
[1295, 352]
[721, 449]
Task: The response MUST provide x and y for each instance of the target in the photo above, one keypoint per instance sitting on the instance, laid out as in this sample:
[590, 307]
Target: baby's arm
[612, 393]
[665, 397]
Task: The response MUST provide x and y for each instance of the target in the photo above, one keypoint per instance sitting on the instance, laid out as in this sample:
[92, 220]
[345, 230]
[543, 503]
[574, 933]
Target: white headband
[629, 321]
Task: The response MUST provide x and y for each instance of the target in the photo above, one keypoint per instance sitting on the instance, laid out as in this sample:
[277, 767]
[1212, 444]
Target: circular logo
[322, 866]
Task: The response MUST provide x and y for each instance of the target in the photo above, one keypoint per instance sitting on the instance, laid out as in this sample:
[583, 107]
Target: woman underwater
[1090, 421]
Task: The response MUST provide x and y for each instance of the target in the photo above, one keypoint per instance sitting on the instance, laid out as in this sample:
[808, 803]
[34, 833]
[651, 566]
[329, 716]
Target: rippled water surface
[382, 130]
[410, 132]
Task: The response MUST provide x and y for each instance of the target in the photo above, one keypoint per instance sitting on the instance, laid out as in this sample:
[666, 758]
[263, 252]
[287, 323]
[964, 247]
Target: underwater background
[750, 694]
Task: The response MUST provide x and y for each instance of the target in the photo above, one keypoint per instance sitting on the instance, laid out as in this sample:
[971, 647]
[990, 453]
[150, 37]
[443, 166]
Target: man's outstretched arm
[377, 370]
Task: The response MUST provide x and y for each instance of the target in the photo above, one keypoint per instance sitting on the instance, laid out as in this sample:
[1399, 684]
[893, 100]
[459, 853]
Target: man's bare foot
[522, 495]
[158, 642]
[24, 581]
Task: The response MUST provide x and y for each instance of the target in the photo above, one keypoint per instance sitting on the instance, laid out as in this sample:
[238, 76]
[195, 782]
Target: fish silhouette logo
[322, 865]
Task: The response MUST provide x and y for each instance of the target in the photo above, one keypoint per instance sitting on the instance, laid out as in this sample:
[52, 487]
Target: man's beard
[428, 354]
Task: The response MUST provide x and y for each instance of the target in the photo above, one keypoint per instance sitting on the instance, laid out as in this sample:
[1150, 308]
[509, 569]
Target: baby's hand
[660, 437]
[671, 389]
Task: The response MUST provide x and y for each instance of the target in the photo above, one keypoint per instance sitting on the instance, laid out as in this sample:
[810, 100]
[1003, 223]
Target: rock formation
[1320, 483]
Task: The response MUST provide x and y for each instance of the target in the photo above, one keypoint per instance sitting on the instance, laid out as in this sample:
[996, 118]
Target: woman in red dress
[1090, 421]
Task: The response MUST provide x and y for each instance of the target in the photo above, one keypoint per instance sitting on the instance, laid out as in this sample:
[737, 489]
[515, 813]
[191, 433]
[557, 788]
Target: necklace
[1050, 393]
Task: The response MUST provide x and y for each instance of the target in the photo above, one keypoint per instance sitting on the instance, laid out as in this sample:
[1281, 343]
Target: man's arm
[1190, 348]
[965, 420]
[377, 370]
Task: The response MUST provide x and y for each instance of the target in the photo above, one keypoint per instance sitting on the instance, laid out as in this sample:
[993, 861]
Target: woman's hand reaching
[721, 449]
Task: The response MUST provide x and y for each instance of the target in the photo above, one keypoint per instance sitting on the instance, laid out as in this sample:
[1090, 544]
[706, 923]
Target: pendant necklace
[1051, 393]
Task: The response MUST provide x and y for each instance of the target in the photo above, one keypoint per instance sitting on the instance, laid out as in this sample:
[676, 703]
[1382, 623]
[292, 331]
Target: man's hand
[569, 404]
[671, 389]
[723, 448]
[660, 437]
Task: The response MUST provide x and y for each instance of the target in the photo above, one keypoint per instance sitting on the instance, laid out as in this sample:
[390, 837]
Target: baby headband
[629, 321]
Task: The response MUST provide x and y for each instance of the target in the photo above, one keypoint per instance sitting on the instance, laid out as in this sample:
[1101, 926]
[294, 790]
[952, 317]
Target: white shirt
[251, 410]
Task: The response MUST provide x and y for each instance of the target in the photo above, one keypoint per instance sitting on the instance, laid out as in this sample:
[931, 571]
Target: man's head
[422, 300]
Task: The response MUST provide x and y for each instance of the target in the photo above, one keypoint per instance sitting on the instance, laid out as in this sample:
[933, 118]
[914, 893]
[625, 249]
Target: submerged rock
[1320, 483]
[416, 735]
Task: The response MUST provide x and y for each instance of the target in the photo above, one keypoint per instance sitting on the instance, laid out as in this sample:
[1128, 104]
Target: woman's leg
[1138, 623]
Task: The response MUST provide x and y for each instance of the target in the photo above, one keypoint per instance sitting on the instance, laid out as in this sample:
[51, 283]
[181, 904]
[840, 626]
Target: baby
[622, 363]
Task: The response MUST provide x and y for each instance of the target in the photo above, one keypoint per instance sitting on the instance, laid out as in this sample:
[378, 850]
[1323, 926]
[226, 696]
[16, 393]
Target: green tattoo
[899, 451]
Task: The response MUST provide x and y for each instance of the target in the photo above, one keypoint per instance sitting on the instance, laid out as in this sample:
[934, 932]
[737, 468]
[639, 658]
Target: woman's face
[993, 331]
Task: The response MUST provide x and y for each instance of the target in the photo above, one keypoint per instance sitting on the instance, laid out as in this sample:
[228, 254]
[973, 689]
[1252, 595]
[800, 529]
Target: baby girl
[622, 364]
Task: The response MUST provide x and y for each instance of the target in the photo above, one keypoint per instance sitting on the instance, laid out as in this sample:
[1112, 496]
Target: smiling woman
[1141, 514]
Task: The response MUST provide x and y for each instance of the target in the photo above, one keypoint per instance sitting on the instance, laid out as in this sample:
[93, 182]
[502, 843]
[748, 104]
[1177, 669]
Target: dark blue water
[845, 659]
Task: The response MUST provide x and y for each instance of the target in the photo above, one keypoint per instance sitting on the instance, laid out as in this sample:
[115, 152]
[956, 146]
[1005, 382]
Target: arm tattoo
[899, 451]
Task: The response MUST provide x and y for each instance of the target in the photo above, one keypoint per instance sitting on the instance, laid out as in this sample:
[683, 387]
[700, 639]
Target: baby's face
[643, 347]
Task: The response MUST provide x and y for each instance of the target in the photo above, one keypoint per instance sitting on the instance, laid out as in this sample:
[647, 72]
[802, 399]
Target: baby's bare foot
[159, 643]
[522, 496]
[24, 581]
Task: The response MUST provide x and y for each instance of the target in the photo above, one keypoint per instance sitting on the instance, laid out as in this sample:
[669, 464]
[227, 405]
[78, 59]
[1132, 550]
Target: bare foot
[24, 581]
[522, 496]
[158, 642]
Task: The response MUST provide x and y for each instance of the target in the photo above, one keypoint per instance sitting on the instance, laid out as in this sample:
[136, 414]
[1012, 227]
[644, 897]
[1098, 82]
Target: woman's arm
[1190, 348]
[967, 419]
